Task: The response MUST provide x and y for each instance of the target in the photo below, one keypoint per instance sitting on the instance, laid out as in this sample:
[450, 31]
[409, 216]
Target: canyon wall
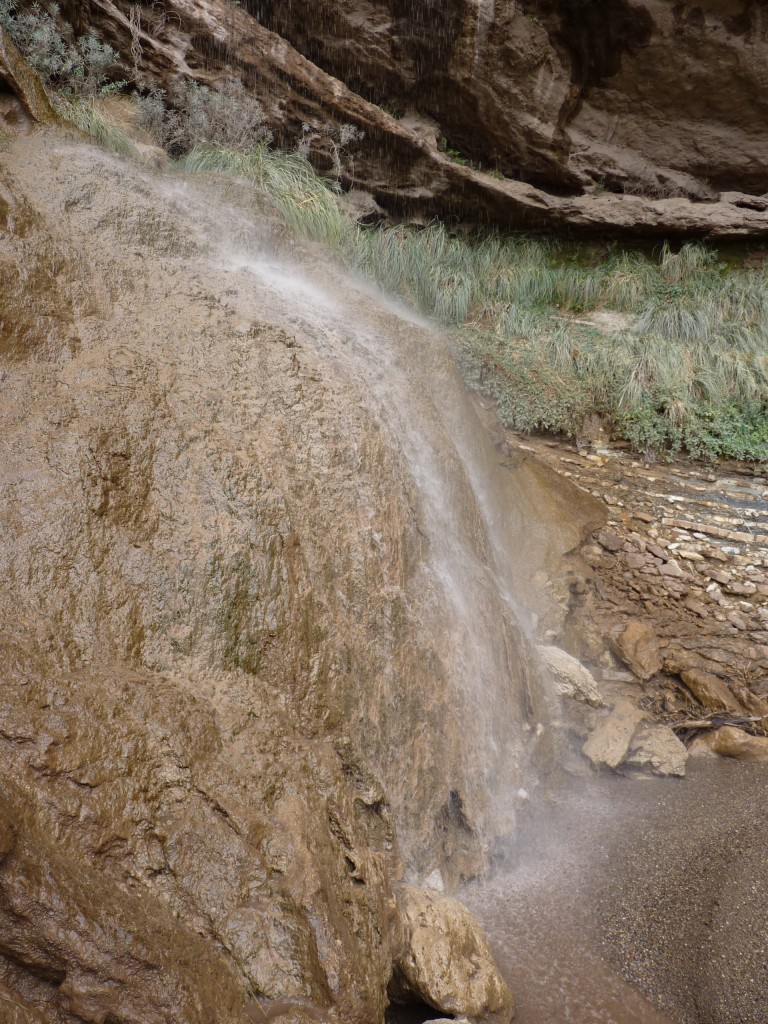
[619, 118]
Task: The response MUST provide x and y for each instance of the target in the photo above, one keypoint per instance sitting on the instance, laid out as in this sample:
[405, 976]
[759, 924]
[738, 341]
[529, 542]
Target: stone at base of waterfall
[153, 156]
[728, 741]
[626, 739]
[447, 962]
[656, 750]
[609, 744]
[571, 678]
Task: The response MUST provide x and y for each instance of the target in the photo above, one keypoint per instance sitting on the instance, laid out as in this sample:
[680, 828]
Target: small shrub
[81, 68]
[228, 117]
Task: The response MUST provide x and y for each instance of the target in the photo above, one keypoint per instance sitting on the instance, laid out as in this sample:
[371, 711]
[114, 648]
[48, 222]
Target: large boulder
[447, 962]
[728, 741]
[655, 749]
[609, 744]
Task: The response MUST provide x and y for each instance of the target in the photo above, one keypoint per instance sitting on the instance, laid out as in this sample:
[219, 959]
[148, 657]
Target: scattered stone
[696, 607]
[571, 678]
[609, 744]
[638, 648]
[671, 568]
[728, 741]
[709, 690]
[742, 589]
[635, 561]
[610, 541]
[657, 749]
[447, 962]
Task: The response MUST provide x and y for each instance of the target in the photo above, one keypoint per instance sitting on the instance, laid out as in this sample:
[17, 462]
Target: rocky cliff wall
[616, 118]
[256, 665]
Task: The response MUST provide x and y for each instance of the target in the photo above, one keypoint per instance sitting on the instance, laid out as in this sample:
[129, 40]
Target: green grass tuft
[83, 113]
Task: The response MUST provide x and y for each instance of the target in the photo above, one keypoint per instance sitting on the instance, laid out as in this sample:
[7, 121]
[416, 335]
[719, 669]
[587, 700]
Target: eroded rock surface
[668, 602]
[228, 636]
[447, 962]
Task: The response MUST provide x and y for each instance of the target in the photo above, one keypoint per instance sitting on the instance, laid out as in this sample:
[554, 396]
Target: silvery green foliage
[81, 68]
[228, 116]
[336, 137]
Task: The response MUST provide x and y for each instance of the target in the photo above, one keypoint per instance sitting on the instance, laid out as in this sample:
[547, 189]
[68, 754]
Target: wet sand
[659, 883]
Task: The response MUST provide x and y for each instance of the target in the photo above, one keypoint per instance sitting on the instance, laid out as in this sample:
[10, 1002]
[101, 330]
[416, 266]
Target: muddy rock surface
[229, 630]
[613, 118]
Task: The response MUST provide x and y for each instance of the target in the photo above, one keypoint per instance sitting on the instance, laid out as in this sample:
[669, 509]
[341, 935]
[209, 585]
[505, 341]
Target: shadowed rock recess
[603, 117]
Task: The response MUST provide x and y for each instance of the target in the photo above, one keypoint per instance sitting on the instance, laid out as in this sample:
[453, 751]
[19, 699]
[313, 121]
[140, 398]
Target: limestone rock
[609, 744]
[571, 678]
[633, 117]
[728, 741]
[638, 648]
[657, 749]
[447, 962]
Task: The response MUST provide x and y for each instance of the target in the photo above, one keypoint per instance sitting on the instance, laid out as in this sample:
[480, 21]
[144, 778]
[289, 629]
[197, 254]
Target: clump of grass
[307, 202]
[86, 115]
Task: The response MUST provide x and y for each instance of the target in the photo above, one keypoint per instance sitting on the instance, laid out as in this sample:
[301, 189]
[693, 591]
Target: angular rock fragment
[571, 678]
[609, 744]
[638, 648]
[656, 749]
[709, 690]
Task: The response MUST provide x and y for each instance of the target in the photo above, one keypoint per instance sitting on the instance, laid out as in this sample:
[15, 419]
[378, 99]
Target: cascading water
[267, 579]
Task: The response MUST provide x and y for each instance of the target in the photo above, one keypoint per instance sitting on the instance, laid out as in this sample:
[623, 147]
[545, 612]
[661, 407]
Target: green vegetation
[670, 350]
[80, 68]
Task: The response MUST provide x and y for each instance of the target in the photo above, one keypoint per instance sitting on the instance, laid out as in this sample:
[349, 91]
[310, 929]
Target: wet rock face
[225, 651]
[446, 961]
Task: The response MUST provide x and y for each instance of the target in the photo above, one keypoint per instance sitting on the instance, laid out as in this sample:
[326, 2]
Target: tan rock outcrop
[447, 962]
[227, 644]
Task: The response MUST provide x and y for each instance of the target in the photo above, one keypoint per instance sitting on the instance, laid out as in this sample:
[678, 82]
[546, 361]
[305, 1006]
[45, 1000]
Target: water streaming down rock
[260, 648]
